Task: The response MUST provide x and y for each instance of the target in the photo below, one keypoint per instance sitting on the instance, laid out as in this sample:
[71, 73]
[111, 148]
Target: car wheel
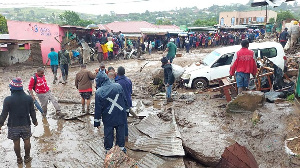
[200, 83]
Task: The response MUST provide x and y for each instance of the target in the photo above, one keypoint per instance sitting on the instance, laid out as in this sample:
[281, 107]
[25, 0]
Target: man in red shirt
[243, 64]
[38, 83]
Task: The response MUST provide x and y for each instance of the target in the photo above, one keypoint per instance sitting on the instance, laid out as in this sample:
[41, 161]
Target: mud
[204, 125]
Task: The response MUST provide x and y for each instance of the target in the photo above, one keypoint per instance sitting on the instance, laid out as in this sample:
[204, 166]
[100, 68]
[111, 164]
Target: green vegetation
[291, 97]
[183, 16]
[206, 22]
[72, 18]
[3, 25]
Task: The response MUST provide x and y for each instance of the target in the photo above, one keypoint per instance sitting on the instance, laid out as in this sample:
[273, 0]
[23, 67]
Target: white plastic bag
[177, 71]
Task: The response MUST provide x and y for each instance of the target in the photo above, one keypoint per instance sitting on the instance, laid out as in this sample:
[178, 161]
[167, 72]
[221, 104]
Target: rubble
[247, 101]
[274, 96]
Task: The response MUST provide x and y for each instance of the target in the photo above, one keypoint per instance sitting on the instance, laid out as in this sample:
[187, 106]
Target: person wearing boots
[83, 83]
[64, 61]
[168, 77]
[19, 108]
[53, 57]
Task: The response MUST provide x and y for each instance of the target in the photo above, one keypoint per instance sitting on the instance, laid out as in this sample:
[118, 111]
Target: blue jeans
[109, 136]
[64, 69]
[54, 69]
[242, 79]
[168, 91]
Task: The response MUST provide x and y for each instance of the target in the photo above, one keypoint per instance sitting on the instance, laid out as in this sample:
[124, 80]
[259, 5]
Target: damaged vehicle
[217, 63]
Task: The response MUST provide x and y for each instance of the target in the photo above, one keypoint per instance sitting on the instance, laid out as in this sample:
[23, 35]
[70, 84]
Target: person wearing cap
[283, 37]
[53, 57]
[171, 49]
[38, 83]
[19, 108]
[111, 107]
[168, 78]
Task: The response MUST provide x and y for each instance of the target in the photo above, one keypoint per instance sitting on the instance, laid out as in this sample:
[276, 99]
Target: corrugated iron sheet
[154, 127]
[150, 161]
[98, 147]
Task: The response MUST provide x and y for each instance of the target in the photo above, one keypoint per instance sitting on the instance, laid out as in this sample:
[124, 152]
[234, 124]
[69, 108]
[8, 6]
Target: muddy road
[204, 125]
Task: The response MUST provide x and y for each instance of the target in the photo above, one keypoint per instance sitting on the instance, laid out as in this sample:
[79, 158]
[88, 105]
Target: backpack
[177, 71]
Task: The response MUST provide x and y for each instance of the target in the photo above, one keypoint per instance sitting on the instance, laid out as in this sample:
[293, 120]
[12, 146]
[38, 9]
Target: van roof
[235, 48]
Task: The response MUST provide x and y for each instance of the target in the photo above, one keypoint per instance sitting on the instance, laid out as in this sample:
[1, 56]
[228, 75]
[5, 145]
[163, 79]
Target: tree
[206, 22]
[69, 18]
[3, 25]
[272, 20]
[283, 15]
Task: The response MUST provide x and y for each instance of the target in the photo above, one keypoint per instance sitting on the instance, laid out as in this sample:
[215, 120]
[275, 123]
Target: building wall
[37, 31]
[13, 55]
[243, 17]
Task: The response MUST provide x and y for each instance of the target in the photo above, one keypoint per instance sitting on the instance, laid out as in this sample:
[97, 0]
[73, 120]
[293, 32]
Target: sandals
[19, 160]
[27, 159]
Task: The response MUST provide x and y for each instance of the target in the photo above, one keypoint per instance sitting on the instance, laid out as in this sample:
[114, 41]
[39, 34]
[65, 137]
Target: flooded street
[204, 126]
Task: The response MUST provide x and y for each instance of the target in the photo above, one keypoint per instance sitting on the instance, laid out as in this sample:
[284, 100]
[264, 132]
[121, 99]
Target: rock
[158, 76]
[247, 101]
[256, 117]
[147, 102]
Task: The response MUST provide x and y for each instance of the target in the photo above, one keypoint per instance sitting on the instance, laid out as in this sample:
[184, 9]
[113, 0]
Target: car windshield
[210, 58]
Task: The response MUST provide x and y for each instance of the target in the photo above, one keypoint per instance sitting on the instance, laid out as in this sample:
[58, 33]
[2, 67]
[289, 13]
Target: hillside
[182, 16]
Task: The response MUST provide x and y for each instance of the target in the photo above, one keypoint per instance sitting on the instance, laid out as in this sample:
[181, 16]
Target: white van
[217, 64]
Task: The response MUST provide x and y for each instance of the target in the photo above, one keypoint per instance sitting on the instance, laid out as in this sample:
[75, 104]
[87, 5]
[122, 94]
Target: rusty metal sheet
[150, 161]
[74, 164]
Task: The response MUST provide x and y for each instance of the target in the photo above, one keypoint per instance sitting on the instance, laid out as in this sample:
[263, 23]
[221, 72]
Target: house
[14, 51]
[49, 34]
[239, 18]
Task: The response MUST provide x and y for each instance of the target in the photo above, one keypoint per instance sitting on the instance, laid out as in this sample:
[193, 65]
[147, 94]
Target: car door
[221, 67]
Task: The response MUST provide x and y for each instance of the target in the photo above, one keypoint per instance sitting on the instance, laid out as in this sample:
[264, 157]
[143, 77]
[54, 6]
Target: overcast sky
[119, 6]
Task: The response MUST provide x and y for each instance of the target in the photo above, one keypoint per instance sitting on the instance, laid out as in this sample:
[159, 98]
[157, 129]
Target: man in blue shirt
[53, 57]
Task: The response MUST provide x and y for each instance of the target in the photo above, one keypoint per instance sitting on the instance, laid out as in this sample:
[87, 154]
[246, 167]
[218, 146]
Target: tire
[200, 83]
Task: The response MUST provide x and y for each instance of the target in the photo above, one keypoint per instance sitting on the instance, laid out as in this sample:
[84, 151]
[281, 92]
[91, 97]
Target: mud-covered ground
[203, 124]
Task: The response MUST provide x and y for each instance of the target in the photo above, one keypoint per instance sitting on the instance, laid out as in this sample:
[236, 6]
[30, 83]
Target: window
[225, 59]
[245, 21]
[249, 20]
[208, 60]
[232, 21]
[268, 52]
[255, 53]
[222, 22]
[260, 19]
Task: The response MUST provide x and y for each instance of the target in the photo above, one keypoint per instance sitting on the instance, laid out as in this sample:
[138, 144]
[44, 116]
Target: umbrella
[37, 104]
[92, 26]
[236, 156]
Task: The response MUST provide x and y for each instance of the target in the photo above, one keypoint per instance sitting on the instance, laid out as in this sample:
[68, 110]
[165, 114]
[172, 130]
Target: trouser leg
[120, 135]
[108, 137]
[43, 98]
[53, 101]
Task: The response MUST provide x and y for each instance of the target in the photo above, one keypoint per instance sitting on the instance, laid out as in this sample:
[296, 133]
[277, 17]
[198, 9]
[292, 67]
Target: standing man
[83, 83]
[99, 51]
[64, 61]
[171, 49]
[168, 78]
[53, 57]
[244, 64]
[38, 83]
[111, 106]
[19, 107]
[283, 37]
